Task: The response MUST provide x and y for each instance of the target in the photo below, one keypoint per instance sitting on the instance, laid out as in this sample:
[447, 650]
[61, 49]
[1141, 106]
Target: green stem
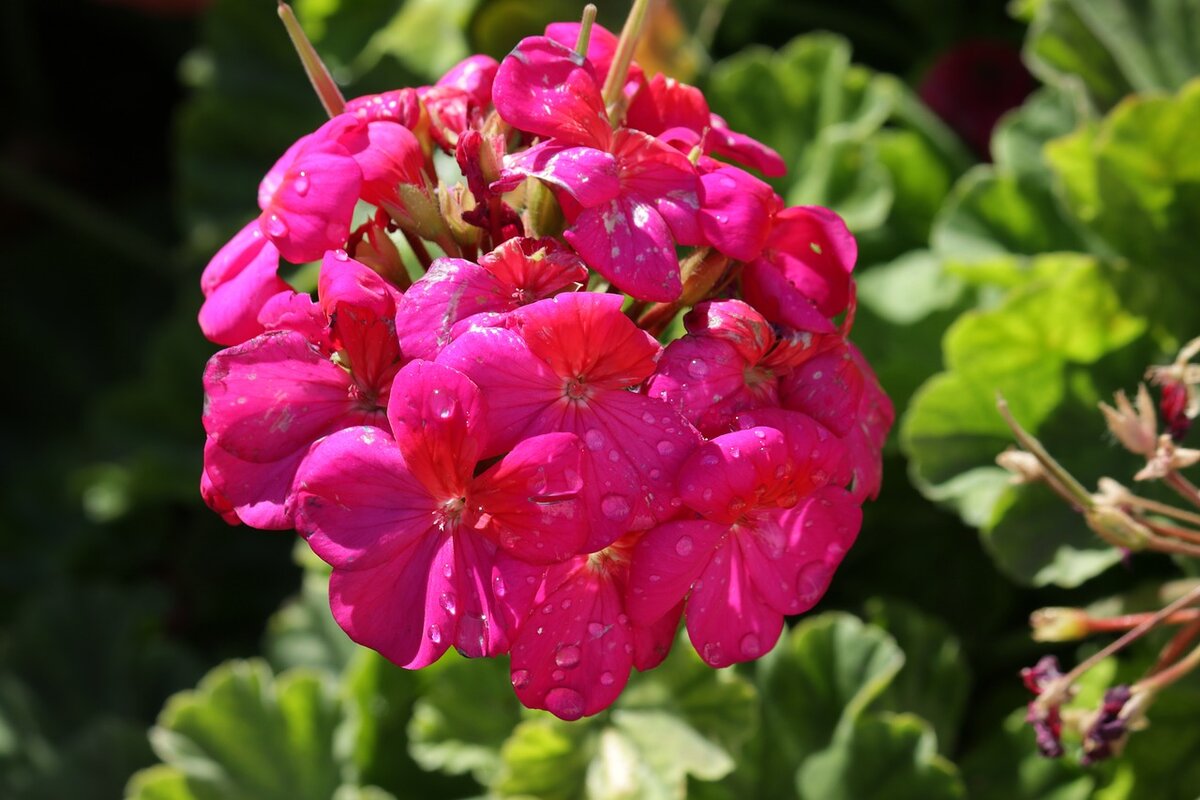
[1056, 471]
[614, 84]
[585, 29]
[318, 74]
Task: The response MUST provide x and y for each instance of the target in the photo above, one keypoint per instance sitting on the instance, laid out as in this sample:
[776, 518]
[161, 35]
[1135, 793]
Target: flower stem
[1128, 621]
[1055, 472]
[318, 74]
[1183, 487]
[1174, 648]
[1171, 674]
[614, 84]
[1160, 508]
[1054, 695]
[1172, 531]
[585, 29]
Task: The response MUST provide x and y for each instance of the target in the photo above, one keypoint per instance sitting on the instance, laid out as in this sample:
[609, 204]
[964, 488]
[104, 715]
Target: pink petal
[357, 503]
[451, 112]
[260, 494]
[239, 280]
[652, 643]
[665, 103]
[534, 268]
[736, 213]
[572, 655]
[745, 150]
[665, 563]
[519, 386]
[296, 311]
[438, 419]
[275, 395]
[527, 502]
[546, 89]
[765, 287]
[214, 499]
[727, 620]
[361, 308]
[736, 472]
[453, 289]
[588, 174]
[828, 388]
[474, 75]
[401, 106]
[813, 249]
[396, 607]
[564, 331]
[655, 173]
[628, 242]
[394, 156]
[602, 44]
[735, 322]
[310, 212]
[818, 458]
[705, 378]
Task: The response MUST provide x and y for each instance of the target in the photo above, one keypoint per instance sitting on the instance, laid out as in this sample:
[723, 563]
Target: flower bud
[1022, 466]
[1058, 624]
[1116, 527]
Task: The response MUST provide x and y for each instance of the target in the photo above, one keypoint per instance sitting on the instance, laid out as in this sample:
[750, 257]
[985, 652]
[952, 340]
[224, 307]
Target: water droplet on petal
[520, 678]
[567, 656]
[713, 655]
[606, 679]
[751, 646]
[684, 546]
[435, 634]
[697, 368]
[665, 448]
[446, 601]
[811, 582]
[341, 255]
[614, 506]
[558, 675]
[594, 440]
[498, 586]
[597, 629]
[707, 494]
[614, 456]
[564, 703]
[301, 184]
[276, 228]
[648, 418]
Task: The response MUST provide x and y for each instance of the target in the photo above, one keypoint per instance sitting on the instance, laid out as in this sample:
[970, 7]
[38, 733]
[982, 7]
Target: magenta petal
[310, 212]
[572, 655]
[734, 322]
[534, 269]
[628, 242]
[273, 395]
[602, 44]
[564, 331]
[260, 494]
[727, 620]
[357, 503]
[815, 251]
[767, 289]
[652, 643]
[438, 419]
[394, 156]
[396, 607]
[547, 89]
[818, 458]
[664, 103]
[239, 280]
[453, 289]
[820, 530]
[664, 564]
[733, 473]
[296, 311]
[736, 212]
[745, 150]
[588, 174]
[655, 173]
[828, 388]
[401, 106]
[528, 501]
[474, 75]
[705, 378]
[519, 386]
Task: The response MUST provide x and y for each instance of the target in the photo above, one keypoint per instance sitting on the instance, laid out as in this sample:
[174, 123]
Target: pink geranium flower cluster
[491, 448]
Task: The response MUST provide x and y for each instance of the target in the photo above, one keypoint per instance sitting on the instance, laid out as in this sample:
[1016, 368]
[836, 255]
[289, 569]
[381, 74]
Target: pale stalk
[318, 74]
[585, 29]
[1172, 531]
[1183, 487]
[623, 57]
[1076, 493]
[1160, 508]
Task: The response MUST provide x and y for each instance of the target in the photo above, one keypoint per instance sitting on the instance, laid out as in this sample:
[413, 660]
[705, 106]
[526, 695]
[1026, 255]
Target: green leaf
[892, 756]
[242, 733]
[680, 720]
[1111, 48]
[1134, 180]
[159, 782]
[1070, 313]
[303, 633]
[447, 731]
[935, 679]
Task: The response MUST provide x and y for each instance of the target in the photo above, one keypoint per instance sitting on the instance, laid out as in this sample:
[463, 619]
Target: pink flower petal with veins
[767, 288]
[705, 378]
[239, 280]
[828, 388]
[819, 458]
[628, 242]
[474, 75]
[666, 561]
[588, 174]
[394, 156]
[602, 46]
[545, 88]
[530, 499]
[652, 172]
[727, 620]
[736, 212]
[402, 106]
[815, 252]
[744, 149]
[453, 289]
[439, 419]
[259, 494]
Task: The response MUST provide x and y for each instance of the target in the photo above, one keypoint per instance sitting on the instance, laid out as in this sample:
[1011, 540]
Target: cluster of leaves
[841, 709]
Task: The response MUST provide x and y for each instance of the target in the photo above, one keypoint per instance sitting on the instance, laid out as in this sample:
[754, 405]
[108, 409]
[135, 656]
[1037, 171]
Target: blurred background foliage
[1051, 256]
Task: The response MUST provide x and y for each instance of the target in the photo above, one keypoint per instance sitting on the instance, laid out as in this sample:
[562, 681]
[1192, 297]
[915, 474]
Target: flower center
[576, 389]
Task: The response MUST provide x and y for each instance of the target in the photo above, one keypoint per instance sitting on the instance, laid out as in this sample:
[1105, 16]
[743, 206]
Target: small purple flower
[1108, 729]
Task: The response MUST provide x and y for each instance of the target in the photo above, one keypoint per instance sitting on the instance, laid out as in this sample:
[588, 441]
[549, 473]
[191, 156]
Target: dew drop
[498, 586]
[614, 506]
[750, 645]
[301, 184]
[665, 448]
[341, 255]
[435, 634]
[648, 418]
[707, 494]
[276, 228]
[811, 582]
[446, 601]
[558, 675]
[520, 678]
[336, 232]
[597, 629]
[713, 655]
[697, 368]
[684, 546]
[567, 656]
[564, 703]
[594, 439]
[606, 679]
[614, 456]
